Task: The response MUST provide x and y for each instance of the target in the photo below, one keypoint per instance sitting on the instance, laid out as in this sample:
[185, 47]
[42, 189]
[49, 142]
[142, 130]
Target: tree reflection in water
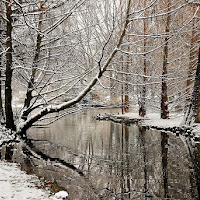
[117, 161]
[164, 150]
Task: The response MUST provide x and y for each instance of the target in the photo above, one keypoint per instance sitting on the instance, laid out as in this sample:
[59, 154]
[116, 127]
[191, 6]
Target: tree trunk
[1, 100]
[8, 89]
[31, 82]
[126, 87]
[122, 85]
[193, 55]
[164, 98]
[142, 109]
[1, 67]
[34, 70]
[193, 113]
[56, 108]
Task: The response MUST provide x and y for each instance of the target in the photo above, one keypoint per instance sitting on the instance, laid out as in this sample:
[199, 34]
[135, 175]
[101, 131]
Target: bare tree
[193, 53]
[53, 72]
[193, 113]
[9, 70]
[76, 48]
[142, 109]
[2, 37]
[164, 98]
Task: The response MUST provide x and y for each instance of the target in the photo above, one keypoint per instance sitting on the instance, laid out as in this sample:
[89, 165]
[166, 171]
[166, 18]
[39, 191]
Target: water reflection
[118, 161]
[164, 151]
[194, 151]
[196, 162]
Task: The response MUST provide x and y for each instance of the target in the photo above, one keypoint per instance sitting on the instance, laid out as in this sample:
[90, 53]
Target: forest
[65, 62]
[59, 57]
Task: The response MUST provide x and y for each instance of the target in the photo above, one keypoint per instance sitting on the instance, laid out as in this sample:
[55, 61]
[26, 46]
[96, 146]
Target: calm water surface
[117, 161]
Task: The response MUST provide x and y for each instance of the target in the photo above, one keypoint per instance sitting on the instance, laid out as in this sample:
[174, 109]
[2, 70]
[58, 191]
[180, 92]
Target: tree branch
[22, 127]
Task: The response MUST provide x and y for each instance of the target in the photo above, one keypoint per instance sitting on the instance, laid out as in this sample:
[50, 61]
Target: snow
[153, 119]
[17, 185]
[5, 135]
[196, 130]
[61, 195]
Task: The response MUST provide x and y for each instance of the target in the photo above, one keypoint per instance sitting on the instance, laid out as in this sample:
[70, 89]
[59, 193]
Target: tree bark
[126, 87]
[193, 55]
[1, 100]
[122, 85]
[193, 113]
[1, 67]
[30, 87]
[142, 109]
[164, 98]
[8, 89]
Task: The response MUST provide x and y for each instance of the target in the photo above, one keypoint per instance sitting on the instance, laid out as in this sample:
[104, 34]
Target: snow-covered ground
[5, 135]
[17, 185]
[153, 119]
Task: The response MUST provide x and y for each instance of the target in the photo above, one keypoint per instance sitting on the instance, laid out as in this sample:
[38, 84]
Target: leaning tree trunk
[193, 113]
[8, 89]
[23, 126]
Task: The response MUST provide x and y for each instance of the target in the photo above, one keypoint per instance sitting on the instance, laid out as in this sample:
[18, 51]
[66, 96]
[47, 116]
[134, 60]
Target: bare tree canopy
[57, 54]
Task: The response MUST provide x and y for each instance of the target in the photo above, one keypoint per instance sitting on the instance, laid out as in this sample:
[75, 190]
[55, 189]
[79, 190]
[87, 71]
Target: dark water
[103, 160]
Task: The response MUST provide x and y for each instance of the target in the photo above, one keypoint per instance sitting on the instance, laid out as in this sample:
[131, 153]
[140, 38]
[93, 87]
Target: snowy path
[17, 185]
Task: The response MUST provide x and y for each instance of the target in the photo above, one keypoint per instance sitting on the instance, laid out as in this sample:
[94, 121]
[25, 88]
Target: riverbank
[14, 183]
[17, 185]
[152, 120]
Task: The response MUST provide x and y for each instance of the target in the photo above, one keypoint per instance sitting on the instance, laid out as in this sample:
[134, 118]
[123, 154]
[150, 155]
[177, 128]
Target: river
[103, 160]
